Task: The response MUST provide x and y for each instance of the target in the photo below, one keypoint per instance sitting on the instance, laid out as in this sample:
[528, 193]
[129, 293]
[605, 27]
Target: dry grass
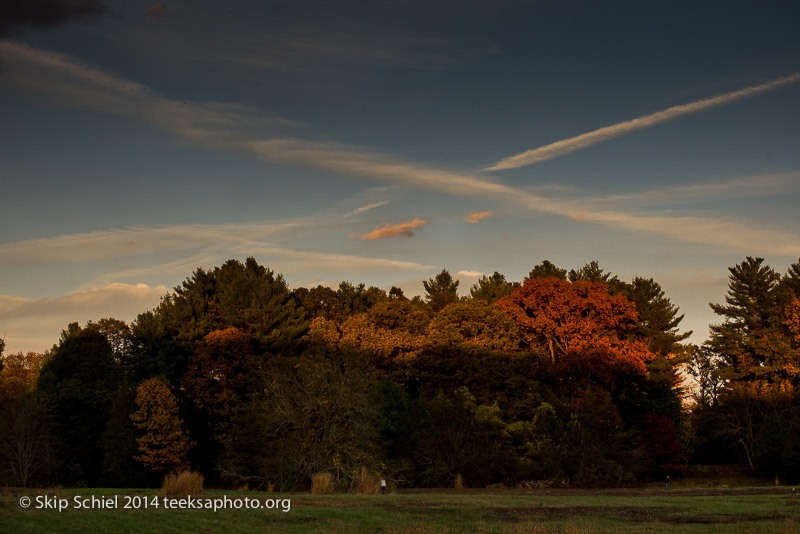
[184, 483]
[367, 483]
[322, 483]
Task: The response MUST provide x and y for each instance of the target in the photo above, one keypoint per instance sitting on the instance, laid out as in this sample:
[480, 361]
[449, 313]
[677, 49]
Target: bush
[185, 483]
[321, 483]
[367, 484]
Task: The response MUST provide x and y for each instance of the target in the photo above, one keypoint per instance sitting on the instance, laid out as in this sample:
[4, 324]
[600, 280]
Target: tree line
[567, 375]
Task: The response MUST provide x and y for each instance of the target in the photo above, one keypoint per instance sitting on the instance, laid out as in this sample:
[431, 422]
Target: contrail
[565, 146]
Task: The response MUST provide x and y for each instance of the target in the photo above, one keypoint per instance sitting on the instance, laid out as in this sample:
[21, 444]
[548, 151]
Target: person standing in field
[668, 481]
[383, 485]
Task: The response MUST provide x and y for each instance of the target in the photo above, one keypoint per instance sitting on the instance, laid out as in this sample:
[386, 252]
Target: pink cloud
[391, 230]
[477, 217]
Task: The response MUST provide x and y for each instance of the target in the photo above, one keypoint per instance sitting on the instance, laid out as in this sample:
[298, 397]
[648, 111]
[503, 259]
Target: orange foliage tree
[163, 444]
[575, 320]
[18, 375]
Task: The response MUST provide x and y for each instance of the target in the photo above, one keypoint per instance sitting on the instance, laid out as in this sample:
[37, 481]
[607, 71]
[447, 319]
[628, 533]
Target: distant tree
[658, 318]
[120, 470]
[791, 280]
[320, 301]
[703, 367]
[312, 414]
[79, 383]
[219, 383]
[547, 270]
[749, 332]
[18, 375]
[592, 272]
[246, 296]
[474, 326]
[492, 288]
[163, 444]
[441, 290]
[26, 445]
[396, 293]
[576, 320]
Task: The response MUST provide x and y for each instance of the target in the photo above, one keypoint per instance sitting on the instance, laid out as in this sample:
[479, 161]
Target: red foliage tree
[577, 320]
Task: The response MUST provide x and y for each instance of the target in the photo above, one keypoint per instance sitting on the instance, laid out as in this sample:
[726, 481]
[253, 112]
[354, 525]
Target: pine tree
[441, 290]
[547, 270]
[751, 339]
[492, 288]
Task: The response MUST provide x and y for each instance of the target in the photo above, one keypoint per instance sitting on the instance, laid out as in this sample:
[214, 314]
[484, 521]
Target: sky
[381, 142]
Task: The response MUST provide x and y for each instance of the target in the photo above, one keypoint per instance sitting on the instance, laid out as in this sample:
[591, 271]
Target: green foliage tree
[492, 288]
[246, 296]
[441, 290]
[547, 270]
[753, 339]
[79, 382]
[120, 470]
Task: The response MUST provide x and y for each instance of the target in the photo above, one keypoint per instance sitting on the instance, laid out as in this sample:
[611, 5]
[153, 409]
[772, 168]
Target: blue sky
[382, 142]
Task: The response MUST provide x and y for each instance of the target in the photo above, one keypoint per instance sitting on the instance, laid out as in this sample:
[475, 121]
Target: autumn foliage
[567, 375]
[573, 320]
[163, 445]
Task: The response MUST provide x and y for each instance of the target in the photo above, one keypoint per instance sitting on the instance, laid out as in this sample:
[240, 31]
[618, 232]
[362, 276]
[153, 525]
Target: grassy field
[574, 511]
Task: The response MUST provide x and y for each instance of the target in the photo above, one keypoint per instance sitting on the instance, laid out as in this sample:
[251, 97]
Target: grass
[771, 510]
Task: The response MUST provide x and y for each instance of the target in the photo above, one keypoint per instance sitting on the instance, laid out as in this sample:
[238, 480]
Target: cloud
[17, 15]
[136, 241]
[368, 207]
[225, 126]
[391, 230]
[477, 217]
[566, 146]
[744, 187]
[36, 324]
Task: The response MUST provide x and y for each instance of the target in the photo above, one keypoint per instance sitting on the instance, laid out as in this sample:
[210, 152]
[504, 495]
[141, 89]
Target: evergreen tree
[492, 288]
[658, 320]
[592, 272]
[547, 270]
[791, 280]
[441, 290]
[246, 296]
[750, 314]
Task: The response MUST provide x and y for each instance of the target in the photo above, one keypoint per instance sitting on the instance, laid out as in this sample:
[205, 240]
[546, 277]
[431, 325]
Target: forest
[573, 376]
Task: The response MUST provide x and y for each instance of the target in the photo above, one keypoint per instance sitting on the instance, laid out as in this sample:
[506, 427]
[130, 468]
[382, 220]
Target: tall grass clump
[184, 483]
[366, 484]
[322, 483]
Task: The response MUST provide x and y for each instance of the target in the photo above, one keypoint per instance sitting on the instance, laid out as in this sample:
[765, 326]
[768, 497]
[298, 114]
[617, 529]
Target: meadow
[652, 509]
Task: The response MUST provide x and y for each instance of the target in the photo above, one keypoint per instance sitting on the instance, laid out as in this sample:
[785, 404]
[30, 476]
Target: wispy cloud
[477, 217]
[740, 187]
[137, 241]
[572, 144]
[36, 324]
[368, 207]
[405, 229]
[231, 127]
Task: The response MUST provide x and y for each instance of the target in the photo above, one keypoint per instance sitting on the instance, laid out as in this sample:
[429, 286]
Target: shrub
[184, 483]
[322, 483]
[367, 484]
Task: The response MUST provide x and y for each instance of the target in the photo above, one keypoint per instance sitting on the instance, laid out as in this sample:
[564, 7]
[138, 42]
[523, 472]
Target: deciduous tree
[163, 444]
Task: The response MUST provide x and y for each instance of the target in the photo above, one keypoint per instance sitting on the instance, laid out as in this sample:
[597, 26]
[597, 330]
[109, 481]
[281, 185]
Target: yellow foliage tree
[163, 444]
